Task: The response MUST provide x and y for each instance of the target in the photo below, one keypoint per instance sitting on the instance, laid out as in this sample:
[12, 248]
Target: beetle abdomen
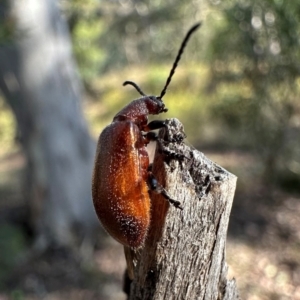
[119, 187]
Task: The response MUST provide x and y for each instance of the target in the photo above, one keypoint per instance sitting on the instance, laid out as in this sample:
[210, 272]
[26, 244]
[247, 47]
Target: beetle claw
[176, 203]
[155, 186]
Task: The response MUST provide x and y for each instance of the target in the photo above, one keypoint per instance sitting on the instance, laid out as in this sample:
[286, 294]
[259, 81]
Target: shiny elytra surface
[119, 185]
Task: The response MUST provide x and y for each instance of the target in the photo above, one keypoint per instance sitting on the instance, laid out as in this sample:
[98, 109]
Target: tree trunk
[184, 254]
[39, 81]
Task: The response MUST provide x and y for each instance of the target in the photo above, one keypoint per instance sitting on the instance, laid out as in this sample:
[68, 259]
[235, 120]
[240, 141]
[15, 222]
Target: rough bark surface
[39, 81]
[184, 255]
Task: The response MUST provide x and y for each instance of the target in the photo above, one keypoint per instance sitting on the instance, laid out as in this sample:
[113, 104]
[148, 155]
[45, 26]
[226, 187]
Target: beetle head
[154, 104]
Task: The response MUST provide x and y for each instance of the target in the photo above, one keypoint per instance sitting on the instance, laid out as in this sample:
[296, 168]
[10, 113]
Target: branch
[184, 254]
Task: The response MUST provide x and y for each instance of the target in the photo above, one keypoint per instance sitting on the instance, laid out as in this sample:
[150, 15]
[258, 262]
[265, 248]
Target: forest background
[236, 91]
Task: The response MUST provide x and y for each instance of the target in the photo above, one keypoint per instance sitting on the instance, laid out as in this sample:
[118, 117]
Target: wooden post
[184, 254]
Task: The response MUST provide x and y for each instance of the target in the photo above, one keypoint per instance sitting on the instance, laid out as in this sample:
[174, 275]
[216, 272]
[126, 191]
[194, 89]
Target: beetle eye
[163, 108]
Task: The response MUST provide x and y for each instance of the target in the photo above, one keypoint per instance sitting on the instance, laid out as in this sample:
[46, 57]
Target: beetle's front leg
[155, 186]
[150, 135]
[156, 124]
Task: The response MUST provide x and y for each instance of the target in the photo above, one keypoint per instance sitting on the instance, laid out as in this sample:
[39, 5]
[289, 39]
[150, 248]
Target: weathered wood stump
[184, 254]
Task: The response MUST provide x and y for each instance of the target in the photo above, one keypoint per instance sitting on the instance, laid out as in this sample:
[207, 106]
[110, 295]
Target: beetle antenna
[136, 87]
[195, 27]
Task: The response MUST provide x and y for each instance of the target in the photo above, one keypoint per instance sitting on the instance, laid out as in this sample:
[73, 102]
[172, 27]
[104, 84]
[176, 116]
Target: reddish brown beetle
[121, 178]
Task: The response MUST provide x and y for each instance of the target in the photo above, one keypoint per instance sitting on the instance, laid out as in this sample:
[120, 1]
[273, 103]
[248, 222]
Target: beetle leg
[156, 124]
[155, 186]
[150, 136]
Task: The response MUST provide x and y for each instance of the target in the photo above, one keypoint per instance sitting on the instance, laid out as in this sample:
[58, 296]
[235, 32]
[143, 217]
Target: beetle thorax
[138, 110]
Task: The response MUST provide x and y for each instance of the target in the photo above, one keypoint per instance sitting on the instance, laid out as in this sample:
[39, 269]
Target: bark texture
[184, 255]
[39, 80]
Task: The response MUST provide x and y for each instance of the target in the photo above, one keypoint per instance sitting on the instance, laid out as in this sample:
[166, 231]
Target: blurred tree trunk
[39, 81]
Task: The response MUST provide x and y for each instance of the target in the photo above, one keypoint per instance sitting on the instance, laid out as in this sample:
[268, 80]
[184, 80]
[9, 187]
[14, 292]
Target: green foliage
[12, 244]
[257, 48]
[108, 35]
[7, 23]
[250, 45]
[7, 128]
[240, 91]
[17, 295]
[86, 28]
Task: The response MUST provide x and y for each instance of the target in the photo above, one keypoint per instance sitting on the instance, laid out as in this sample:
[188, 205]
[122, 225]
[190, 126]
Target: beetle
[122, 176]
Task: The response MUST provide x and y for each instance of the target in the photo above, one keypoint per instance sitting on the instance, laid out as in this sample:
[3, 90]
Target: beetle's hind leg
[152, 182]
[150, 136]
[156, 187]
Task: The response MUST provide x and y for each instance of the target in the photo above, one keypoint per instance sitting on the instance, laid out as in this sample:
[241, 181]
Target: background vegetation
[237, 93]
